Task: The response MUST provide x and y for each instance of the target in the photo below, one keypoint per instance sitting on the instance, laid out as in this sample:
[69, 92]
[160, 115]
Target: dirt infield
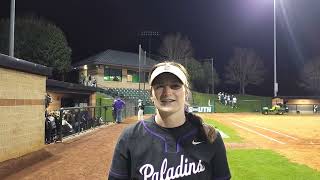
[297, 137]
[89, 155]
[84, 157]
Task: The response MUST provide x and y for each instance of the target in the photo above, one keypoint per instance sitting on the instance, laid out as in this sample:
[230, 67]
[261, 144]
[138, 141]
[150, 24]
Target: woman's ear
[187, 94]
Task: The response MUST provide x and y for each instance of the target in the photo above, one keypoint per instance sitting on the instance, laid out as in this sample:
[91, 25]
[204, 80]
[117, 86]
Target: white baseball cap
[168, 68]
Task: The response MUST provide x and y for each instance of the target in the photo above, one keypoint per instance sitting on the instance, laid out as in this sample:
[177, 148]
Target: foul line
[272, 139]
[267, 129]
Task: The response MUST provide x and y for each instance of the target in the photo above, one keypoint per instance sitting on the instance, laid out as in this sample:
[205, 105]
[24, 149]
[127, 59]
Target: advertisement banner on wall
[201, 109]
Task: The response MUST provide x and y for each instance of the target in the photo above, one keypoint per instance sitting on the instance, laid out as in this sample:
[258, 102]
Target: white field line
[267, 137]
[267, 129]
[223, 135]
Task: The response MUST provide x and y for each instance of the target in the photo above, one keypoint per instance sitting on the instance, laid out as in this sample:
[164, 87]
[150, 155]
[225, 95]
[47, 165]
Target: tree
[196, 73]
[176, 48]
[207, 66]
[38, 41]
[310, 76]
[245, 67]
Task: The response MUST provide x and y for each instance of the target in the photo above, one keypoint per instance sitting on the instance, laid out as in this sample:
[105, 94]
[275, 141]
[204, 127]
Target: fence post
[105, 113]
[60, 124]
[100, 108]
[94, 116]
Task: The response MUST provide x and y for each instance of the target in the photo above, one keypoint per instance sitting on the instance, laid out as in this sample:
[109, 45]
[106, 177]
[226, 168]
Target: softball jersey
[150, 152]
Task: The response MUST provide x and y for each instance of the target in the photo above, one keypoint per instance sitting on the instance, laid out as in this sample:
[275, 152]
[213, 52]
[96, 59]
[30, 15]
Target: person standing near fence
[140, 109]
[173, 143]
[118, 106]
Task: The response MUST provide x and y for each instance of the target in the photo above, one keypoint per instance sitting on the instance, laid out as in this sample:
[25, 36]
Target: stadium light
[149, 34]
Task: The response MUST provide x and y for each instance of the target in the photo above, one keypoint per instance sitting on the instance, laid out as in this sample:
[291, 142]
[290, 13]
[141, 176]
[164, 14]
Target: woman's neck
[170, 120]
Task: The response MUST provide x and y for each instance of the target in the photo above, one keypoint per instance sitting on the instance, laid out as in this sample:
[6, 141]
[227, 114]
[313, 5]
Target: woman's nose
[166, 90]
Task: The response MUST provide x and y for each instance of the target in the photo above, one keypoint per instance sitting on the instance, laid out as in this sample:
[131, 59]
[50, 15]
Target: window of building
[111, 74]
[133, 76]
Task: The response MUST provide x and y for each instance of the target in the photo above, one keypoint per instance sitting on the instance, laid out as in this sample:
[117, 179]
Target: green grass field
[266, 164]
[234, 137]
[261, 164]
[246, 103]
[201, 99]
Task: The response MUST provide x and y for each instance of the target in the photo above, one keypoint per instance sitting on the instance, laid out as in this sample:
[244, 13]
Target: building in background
[115, 69]
[300, 104]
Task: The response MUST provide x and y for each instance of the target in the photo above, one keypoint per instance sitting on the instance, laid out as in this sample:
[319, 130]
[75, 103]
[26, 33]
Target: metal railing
[78, 119]
[74, 120]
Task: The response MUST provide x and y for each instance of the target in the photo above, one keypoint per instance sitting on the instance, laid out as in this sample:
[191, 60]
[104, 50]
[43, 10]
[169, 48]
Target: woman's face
[168, 93]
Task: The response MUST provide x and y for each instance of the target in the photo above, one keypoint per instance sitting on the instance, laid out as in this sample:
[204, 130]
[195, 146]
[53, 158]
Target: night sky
[215, 28]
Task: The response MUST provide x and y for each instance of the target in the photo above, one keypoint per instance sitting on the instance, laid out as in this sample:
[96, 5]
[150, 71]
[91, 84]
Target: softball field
[297, 137]
[89, 155]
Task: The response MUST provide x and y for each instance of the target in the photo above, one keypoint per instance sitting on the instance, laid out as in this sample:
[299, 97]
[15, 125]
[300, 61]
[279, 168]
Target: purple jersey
[118, 104]
[148, 151]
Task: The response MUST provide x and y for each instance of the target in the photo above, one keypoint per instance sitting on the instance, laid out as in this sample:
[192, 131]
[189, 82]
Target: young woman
[173, 144]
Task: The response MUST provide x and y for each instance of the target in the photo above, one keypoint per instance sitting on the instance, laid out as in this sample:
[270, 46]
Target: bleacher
[129, 94]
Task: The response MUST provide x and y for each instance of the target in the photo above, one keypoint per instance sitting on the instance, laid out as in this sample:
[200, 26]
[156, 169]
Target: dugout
[300, 104]
[66, 94]
[22, 110]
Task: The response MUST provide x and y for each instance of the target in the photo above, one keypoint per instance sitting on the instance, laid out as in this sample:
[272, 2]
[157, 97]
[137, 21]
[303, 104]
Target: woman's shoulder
[137, 128]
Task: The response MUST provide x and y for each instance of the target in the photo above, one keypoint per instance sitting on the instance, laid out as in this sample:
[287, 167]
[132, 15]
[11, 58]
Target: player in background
[172, 144]
[118, 105]
[140, 109]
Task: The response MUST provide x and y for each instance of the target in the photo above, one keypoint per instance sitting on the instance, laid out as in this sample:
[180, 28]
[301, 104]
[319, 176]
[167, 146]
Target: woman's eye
[176, 86]
[158, 87]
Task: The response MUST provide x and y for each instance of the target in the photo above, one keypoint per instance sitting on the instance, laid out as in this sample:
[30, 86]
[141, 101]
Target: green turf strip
[266, 164]
[245, 103]
[234, 137]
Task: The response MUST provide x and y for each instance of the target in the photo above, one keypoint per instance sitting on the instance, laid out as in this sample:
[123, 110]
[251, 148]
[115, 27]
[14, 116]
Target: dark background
[215, 28]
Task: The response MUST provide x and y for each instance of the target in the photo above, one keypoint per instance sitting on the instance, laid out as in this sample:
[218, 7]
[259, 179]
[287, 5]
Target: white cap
[168, 68]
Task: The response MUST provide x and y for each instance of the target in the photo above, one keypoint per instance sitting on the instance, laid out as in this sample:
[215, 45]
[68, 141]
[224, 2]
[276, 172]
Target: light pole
[211, 59]
[142, 56]
[275, 49]
[149, 34]
[140, 51]
[144, 73]
[11, 38]
[212, 76]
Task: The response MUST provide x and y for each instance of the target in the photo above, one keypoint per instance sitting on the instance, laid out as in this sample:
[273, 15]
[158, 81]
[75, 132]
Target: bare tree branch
[176, 48]
[244, 68]
[310, 76]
